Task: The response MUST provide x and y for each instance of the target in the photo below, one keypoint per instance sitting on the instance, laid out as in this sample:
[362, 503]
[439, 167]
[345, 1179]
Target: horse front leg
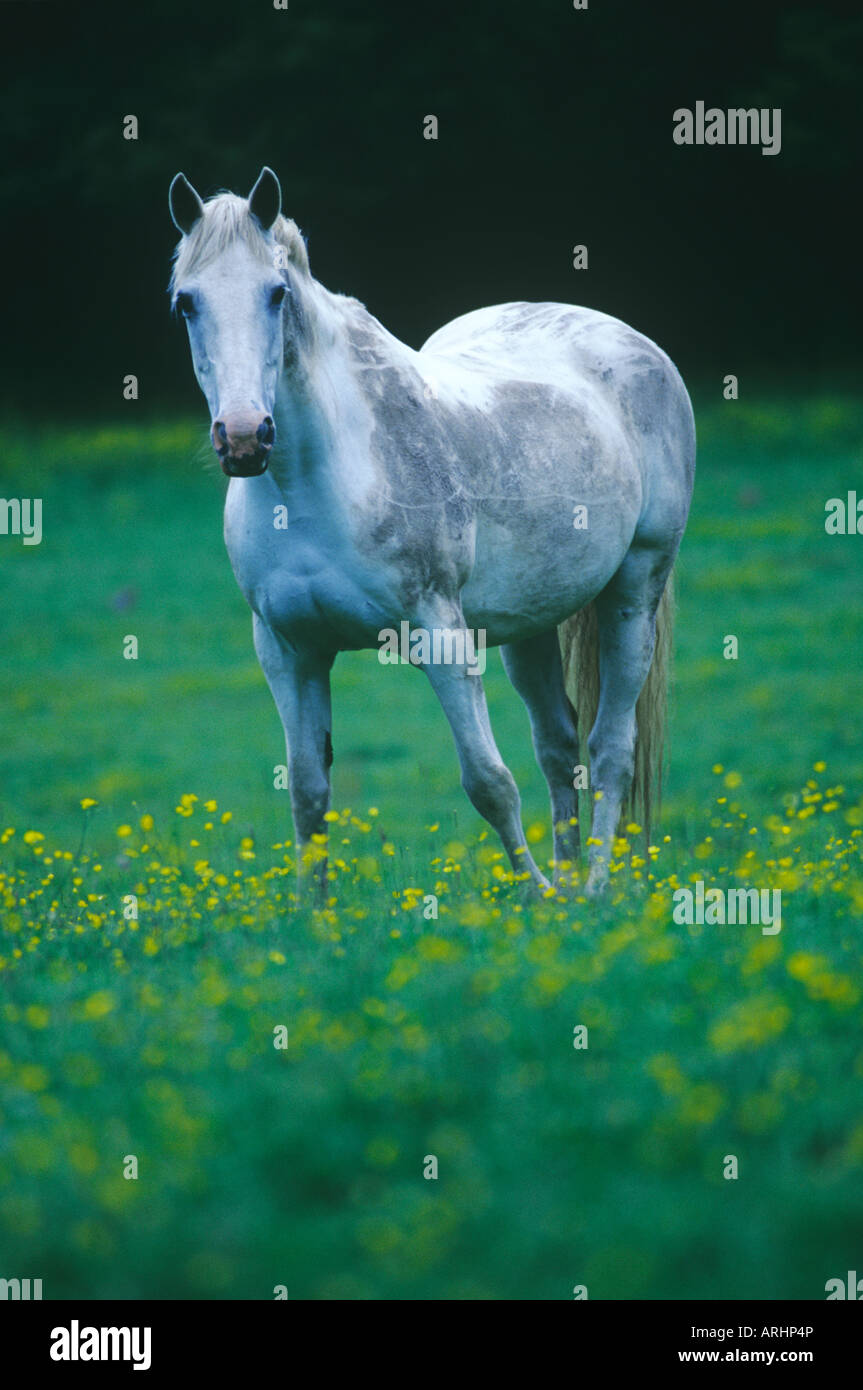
[484, 775]
[299, 679]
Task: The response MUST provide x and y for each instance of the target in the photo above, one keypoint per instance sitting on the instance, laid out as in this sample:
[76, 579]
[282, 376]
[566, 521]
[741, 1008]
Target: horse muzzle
[251, 467]
[243, 444]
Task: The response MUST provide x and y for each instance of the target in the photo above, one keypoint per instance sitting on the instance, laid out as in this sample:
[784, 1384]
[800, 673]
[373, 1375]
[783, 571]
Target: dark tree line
[555, 129]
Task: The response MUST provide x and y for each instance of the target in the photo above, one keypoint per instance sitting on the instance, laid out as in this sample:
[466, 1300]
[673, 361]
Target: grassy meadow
[261, 1166]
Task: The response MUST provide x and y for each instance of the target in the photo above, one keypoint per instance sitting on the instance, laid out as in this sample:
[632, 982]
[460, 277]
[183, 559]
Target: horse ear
[265, 199]
[184, 204]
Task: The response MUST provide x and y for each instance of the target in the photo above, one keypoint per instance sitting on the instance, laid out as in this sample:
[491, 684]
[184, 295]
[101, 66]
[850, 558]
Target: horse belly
[527, 580]
[558, 493]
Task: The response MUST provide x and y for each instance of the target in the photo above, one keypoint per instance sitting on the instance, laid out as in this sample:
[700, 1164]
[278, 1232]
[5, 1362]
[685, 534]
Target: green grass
[409, 1036]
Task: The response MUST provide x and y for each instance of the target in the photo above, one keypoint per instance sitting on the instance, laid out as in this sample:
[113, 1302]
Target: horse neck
[334, 352]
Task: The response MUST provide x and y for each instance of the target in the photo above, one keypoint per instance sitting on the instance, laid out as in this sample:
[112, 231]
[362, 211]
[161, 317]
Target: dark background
[555, 129]
[409, 1036]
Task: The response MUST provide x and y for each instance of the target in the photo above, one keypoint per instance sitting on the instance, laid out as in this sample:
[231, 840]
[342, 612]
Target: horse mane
[226, 220]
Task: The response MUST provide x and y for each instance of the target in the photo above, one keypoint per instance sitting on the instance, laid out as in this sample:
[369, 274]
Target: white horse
[526, 475]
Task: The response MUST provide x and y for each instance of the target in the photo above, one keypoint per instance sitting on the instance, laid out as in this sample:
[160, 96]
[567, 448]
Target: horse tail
[579, 644]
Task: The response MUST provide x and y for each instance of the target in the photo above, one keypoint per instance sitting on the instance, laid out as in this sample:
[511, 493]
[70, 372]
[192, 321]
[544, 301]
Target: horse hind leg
[534, 667]
[626, 620]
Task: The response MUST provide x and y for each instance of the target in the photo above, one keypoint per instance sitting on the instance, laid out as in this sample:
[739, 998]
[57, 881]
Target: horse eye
[277, 298]
[185, 305]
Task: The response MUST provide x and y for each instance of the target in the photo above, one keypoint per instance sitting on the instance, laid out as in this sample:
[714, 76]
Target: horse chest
[301, 576]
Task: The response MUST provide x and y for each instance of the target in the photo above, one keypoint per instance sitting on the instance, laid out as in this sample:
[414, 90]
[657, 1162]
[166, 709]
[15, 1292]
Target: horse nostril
[266, 431]
[220, 431]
